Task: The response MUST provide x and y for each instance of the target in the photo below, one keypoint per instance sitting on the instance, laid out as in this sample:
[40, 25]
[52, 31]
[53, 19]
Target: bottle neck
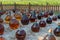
[49, 34]
[24, 14]
[9, 13]
[58, 26]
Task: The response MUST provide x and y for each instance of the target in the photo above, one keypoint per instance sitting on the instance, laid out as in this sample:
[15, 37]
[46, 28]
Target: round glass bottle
[57, 30]
[50, 36]
[35, 27]
[25, 19]
[20, 35]
[8, 17]
[33, 16]
[14, 24]
[17, 15]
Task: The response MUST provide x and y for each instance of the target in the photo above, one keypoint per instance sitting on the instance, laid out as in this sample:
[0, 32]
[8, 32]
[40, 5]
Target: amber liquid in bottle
[14, 24]
[46, 14]
[2, 38]
[8, 18]
[17, 16]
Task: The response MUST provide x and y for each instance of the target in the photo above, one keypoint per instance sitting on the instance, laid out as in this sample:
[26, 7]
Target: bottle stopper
[50, 30]
[58, 23]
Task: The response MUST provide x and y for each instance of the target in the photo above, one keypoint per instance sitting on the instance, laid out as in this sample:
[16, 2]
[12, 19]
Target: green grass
[33, 2]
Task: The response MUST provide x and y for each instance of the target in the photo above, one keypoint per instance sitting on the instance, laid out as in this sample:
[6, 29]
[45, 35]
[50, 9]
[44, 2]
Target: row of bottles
[20, 35]
[35, 28]
[32, 16]
[24, 18]
[1, 25]
[14, 23]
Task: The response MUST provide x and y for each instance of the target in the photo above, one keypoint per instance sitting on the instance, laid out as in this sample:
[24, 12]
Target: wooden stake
[15, 6]
[1, 6]
[29, 7]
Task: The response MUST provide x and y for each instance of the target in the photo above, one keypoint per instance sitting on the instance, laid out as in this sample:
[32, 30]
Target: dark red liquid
[1, 29]
[42, 23]
[57, 33]
[51, 13]
[35, 28]
[25, 20]
[2, 38]
[49, 20]
[20, 35]
[54, 18]
[46, 14]
[32, 19]
[40, 16]
[59, 16]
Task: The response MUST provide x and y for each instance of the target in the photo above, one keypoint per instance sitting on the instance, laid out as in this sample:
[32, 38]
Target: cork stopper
[58, 23]
[50, 30]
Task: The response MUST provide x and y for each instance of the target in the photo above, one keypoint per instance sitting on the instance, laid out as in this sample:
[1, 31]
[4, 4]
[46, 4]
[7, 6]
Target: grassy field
[33, 2]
